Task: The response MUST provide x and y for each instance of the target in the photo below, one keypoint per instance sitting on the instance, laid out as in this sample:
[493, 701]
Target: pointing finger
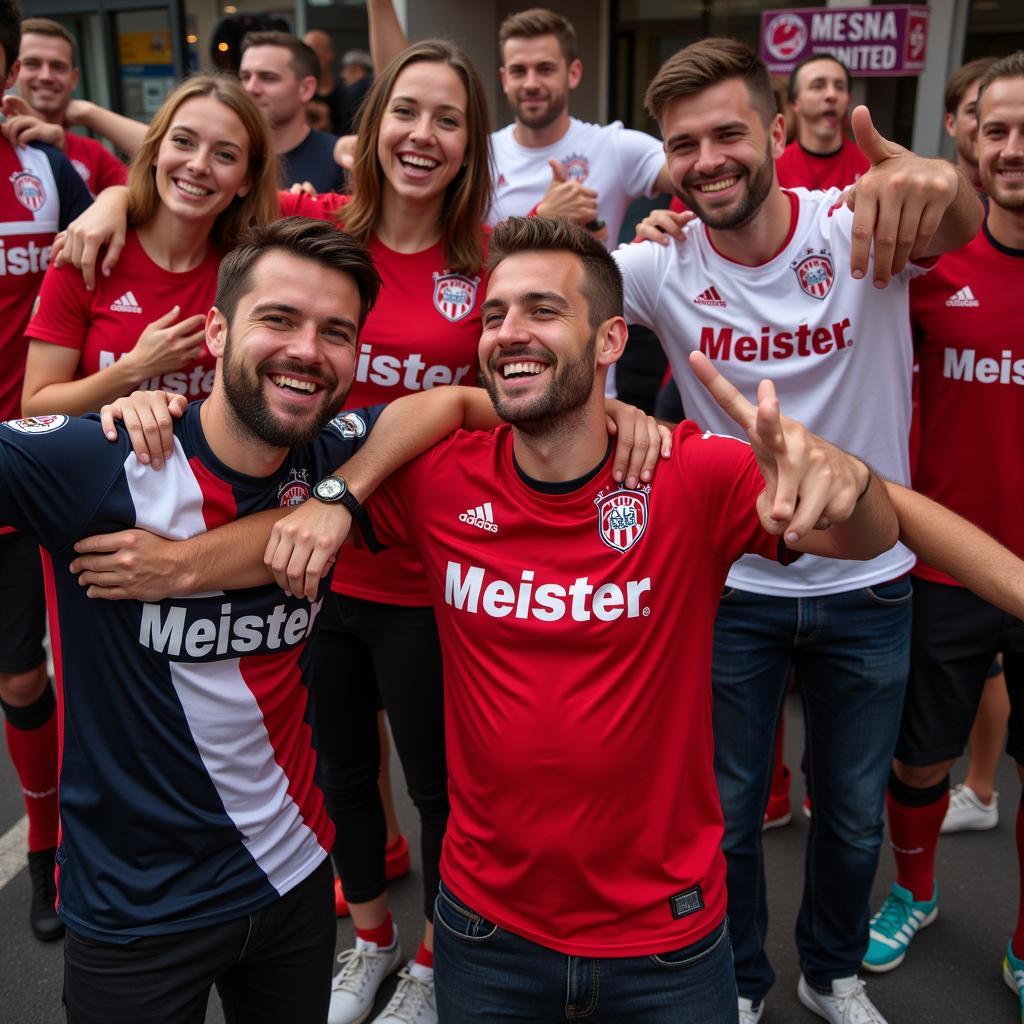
[728, 398]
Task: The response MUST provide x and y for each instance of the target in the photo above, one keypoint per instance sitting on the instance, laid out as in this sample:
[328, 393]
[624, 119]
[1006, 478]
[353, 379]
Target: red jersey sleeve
[109, 171]
[392, 507]
[722, 481]
[319, 207]
[63, 311]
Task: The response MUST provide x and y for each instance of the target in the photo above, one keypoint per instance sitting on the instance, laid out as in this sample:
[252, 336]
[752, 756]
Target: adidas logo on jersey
[710, 297]
[964, 297]
[481, 517]
[126, 304]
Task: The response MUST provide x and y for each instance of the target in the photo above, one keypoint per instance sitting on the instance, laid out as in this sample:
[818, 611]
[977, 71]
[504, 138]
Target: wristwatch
[333, 490]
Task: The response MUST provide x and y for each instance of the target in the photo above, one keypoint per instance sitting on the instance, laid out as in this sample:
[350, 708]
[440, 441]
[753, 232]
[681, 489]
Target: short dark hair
[1011, 66]
[962, 79]
[49, 27]
[708, 62]
[791, 84]
[10, 32]
[602, 280]
[308, 239]
[304, 60]
[538, 21]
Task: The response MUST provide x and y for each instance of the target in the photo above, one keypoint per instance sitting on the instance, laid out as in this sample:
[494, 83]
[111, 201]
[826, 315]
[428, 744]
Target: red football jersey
[800, 168]
[966, 315]
[576, 630]
[96, 165]
[106, 323]
[423, 332]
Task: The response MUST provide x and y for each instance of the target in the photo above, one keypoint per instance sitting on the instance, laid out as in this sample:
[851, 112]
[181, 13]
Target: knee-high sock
[32, 743]
[915, 817]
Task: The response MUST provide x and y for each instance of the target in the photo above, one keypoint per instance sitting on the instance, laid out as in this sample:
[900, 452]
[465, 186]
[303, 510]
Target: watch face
[330, 489]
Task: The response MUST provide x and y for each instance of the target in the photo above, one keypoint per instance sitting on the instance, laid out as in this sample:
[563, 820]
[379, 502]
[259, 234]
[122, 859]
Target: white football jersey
[618, 163]
[839, 351]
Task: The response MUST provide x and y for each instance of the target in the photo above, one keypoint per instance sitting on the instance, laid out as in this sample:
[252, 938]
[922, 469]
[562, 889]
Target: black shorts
[955, 637]
[22, 605]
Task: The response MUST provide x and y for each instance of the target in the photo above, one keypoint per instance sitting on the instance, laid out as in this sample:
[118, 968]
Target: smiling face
[1001, 142]
[721, 158]
[421, 143]
[48, 75]
[288, 355]
[537, 79]
[821, 102]
[269, 78]
[202, 162]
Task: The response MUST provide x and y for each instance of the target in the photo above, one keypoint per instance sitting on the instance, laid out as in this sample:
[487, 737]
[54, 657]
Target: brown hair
[602, 280]
[538, 21]
[700, 65]
[10, 32]
[304, 61]
[308, 239]
[961, 80]
[49, 27]
[1011, 66]
[258, 206]
[468, 196]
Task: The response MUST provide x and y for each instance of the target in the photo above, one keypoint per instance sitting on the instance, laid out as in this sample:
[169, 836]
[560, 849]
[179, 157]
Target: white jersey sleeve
[641, 158]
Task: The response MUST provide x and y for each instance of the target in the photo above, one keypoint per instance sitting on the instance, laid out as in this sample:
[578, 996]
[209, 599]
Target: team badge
[37, 424]
[815, 274]
[785, 36]
[622, 518]
[577, 168]
[350, 426]
[454, 295]
[295, 490]
[28, 190]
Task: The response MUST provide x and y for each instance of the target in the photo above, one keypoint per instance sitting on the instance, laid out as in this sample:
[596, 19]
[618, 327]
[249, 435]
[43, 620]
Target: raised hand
[899, 202]
[809, 483]
[567, 198]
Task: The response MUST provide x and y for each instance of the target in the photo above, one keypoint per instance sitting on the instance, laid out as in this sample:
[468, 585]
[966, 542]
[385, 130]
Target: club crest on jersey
[37, 424]
[295, 490]
[577, 168]
[622, 517]
[815, 274]
[350, 426]
[28, 190]
[454, 295]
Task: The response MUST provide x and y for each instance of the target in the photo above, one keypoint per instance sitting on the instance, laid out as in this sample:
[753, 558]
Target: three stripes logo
[126, 304]
[481, 517]
[964, 297]
[710, 297]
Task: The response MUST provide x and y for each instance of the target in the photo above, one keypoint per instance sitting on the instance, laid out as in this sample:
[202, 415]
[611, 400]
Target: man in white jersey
[764, 288]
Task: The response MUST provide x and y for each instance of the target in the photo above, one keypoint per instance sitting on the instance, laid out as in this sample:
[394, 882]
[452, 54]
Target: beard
[571, 386]
[244, 392]
[1005, 198]
[548, 116]
[759, 185]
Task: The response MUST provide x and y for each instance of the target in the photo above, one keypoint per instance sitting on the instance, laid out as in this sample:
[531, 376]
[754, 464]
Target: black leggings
[367, 652]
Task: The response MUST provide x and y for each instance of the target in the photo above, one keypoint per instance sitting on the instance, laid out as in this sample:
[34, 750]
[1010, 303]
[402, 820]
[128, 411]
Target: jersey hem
[888, 572]
[405, 599]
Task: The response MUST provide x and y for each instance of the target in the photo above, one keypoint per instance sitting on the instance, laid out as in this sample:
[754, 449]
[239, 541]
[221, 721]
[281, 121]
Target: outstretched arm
[387, 38]
[959, 548]
[122, 131]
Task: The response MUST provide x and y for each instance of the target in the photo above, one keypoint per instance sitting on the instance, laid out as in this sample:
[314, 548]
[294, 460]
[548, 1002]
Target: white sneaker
[363, 969]
[749, 1014]
[413, 1001]
[966, 813]
[848, 1003]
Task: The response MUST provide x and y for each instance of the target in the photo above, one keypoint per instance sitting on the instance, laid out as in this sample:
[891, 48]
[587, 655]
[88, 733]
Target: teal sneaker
[1013, 975]
[895, 924]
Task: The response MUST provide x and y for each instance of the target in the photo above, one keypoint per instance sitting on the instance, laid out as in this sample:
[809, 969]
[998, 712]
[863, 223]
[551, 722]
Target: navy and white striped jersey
[188, 790]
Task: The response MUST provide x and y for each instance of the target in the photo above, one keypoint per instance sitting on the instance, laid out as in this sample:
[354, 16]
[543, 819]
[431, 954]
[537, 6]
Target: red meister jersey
[423, 333]
[96, 165]
[799, 167]
[106, 323]
[576, 630]
[966, 317]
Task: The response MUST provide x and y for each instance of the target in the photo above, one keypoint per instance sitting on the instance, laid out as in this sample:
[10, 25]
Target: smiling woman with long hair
[204, 172]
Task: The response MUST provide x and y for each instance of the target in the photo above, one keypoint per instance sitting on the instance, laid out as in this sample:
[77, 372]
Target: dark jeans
[851, 654]
[366, 652]
[484, 973]
[269, 967]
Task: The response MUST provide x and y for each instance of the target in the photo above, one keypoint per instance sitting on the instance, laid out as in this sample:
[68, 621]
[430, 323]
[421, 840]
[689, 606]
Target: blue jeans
[484, 973]
[851, 655]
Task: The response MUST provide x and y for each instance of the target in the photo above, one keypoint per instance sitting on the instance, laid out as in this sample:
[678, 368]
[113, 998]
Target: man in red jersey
[48, 76]
[821, 156]
[966, 315]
